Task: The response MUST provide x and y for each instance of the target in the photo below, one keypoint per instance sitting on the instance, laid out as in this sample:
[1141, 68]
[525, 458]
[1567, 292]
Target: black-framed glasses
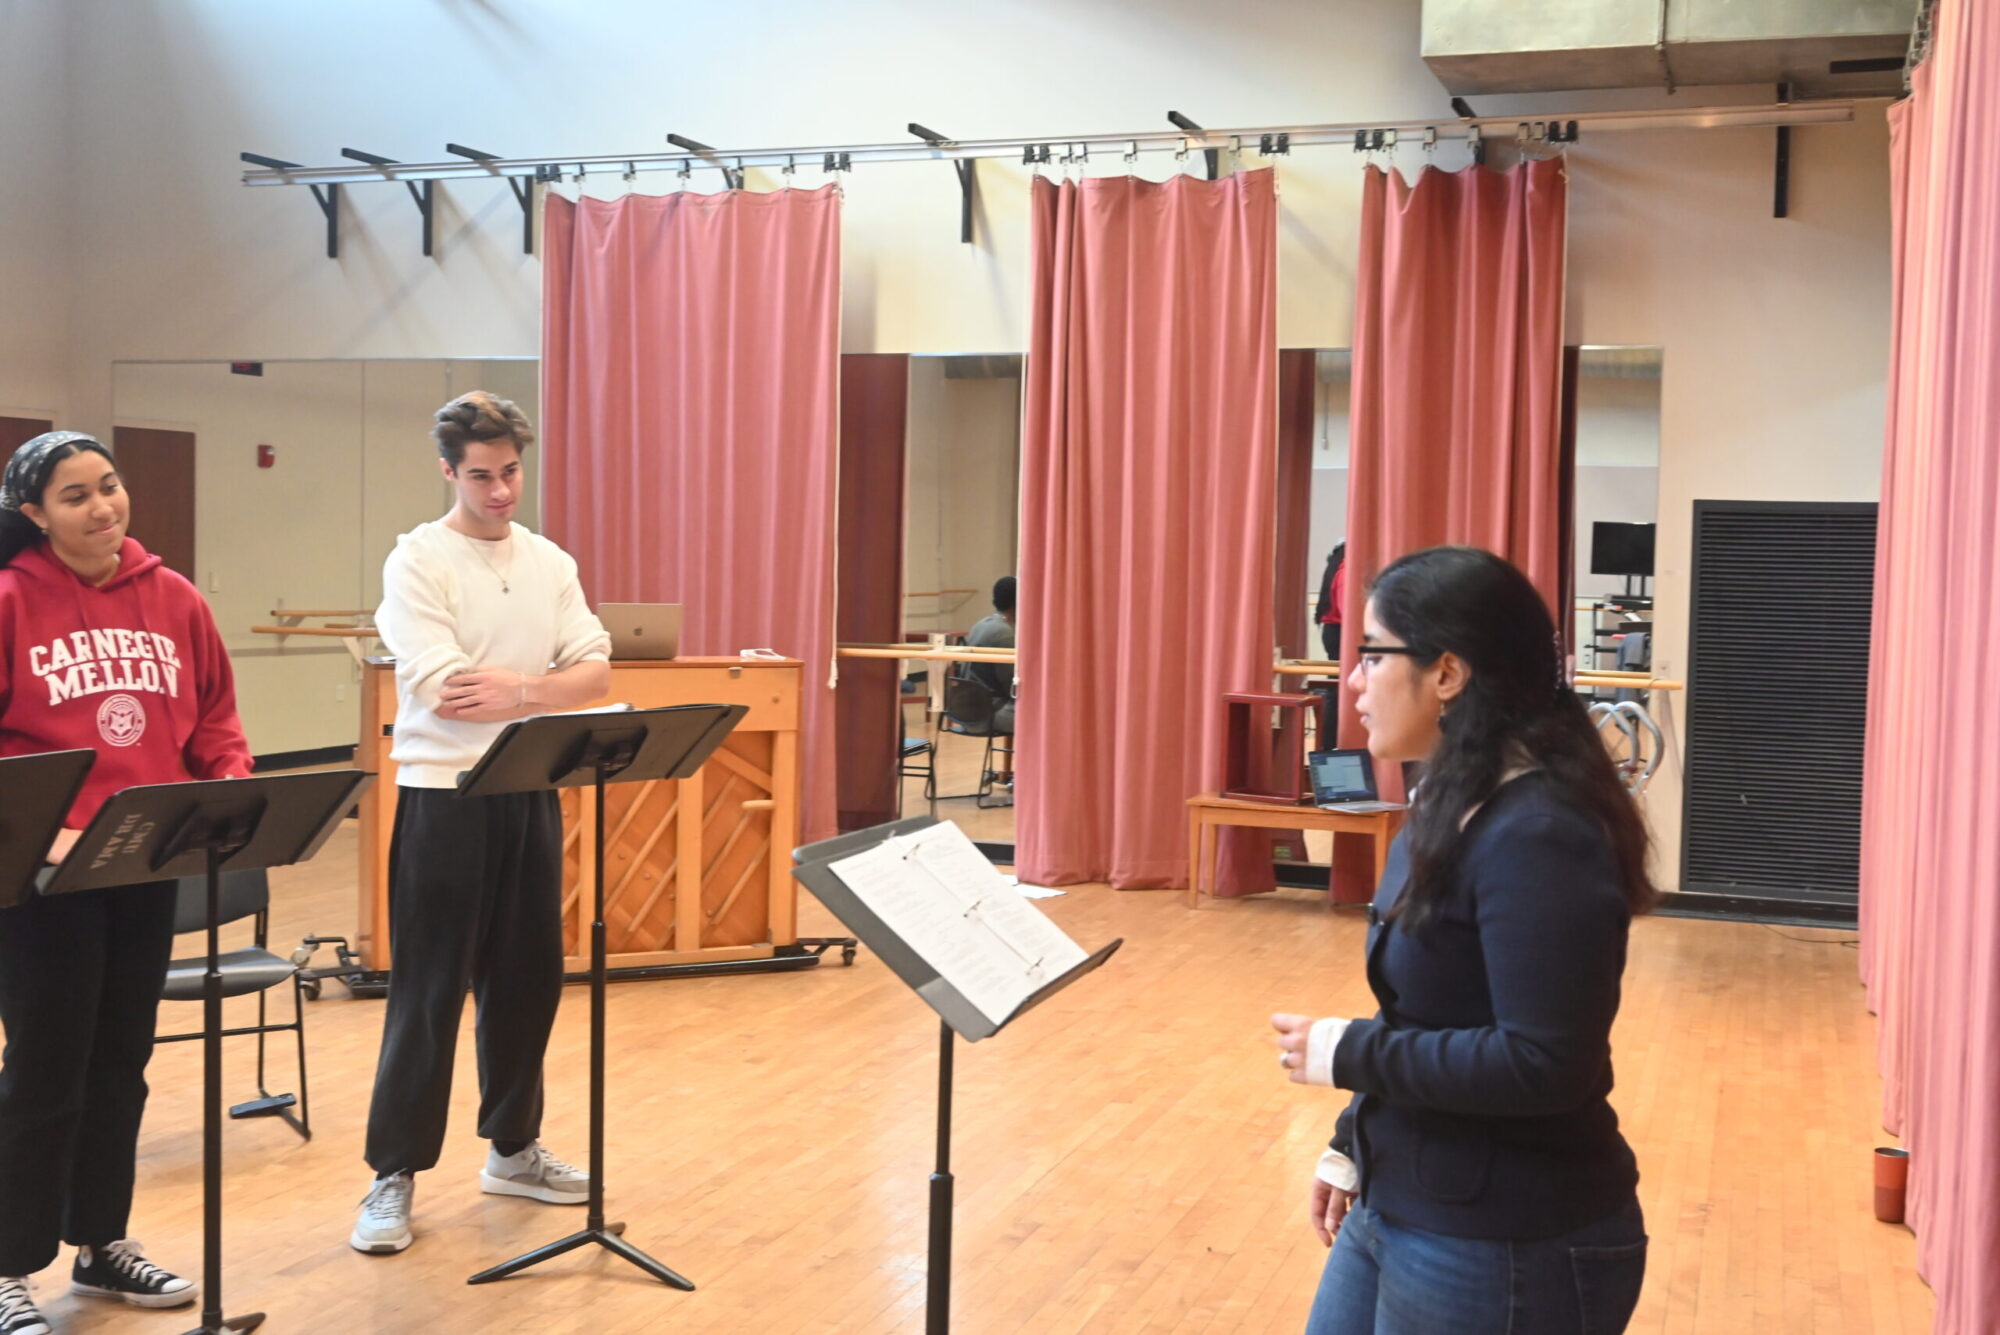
[1365, 652]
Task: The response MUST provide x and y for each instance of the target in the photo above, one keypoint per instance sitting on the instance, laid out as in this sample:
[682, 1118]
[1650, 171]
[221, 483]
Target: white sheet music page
[955, 862]
[909, 903]
[949, 904]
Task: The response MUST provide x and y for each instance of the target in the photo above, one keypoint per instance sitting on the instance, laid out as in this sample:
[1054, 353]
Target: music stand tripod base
[610, 1237]
[594, 750]
[248, 1321]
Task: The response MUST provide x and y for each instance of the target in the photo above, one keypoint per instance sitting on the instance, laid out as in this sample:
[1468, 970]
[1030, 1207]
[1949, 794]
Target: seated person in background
[996, 632]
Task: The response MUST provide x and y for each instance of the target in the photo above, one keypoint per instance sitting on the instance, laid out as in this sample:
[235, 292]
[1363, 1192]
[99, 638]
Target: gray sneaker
[536, 1174]
[384, 1222]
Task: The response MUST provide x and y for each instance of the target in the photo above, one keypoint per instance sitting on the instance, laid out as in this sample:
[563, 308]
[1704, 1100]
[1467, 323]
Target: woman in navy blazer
[1477, 1181]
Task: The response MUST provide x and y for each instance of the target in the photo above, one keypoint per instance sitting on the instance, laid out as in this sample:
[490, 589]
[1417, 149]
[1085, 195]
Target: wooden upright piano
[698, 871]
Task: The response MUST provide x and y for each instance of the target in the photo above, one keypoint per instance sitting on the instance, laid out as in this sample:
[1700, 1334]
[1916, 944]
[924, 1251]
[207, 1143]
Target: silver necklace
[498, 573]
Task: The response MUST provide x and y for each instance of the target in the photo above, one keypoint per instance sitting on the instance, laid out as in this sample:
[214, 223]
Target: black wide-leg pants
[475, 901]
[80, 979]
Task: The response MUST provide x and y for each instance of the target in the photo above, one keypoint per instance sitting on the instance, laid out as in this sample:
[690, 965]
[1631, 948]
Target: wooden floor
[1129, 1158]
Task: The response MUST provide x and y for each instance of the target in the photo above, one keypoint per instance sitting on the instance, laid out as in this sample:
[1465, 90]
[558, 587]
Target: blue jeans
[1384, 1279]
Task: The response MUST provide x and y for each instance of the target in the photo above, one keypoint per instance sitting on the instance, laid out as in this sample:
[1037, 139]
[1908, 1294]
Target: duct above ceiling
[1506, 46]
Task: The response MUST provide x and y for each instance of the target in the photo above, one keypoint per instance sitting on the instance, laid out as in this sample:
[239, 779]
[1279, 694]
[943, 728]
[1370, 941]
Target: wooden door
[18, 431]
[158, 468]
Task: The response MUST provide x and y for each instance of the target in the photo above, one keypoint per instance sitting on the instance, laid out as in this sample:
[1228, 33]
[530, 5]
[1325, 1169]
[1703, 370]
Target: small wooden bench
[1208, 811]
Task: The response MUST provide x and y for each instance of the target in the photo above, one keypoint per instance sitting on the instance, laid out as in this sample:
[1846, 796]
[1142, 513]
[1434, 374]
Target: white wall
[34, 231]
[401, 486]
[1775, 330]
[270, 537]
[1775, 333]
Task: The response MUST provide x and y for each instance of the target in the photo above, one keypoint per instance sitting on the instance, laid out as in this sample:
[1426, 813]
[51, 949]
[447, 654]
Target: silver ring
[1285, 1060]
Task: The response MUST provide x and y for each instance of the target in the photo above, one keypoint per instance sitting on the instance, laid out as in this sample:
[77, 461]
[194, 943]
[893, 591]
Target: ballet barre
[353, 633]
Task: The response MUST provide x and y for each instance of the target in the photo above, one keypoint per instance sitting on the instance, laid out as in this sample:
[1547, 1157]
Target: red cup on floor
[1892, 1177]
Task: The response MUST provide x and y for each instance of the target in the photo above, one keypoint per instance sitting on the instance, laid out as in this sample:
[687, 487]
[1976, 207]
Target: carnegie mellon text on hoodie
[93, 662]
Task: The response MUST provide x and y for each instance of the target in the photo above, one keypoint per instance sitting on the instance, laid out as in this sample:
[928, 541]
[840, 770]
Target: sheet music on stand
[938, 892]
[959, 935]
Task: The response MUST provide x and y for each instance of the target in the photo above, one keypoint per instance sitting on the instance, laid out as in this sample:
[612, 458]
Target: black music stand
[957, 1017]
[572, 751]
[36, 793]
[165, 831]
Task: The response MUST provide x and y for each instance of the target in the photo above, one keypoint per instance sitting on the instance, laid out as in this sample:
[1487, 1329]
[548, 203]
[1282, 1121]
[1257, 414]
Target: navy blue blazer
[1480, 1104]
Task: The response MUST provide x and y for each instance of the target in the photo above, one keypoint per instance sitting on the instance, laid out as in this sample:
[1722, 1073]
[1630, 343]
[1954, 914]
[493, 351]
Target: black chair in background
[917, 761]
[973, 709]
[254, 970]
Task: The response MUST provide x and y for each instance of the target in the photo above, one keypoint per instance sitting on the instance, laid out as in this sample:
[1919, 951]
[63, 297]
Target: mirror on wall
[1327, 525]
[1616, 484]
[961, 518]
[283, 485]
[1617, 497]
[962, 493]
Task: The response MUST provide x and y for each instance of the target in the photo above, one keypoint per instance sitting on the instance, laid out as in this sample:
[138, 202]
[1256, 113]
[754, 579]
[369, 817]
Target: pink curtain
[1147, 515]
[1456, 432]
[690, 362]
[1930, 860]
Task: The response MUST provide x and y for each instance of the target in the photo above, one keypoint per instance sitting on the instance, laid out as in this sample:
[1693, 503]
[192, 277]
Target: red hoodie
[133, 670]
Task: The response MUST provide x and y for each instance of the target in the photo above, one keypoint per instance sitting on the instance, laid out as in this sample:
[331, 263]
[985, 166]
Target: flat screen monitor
[1621, 549]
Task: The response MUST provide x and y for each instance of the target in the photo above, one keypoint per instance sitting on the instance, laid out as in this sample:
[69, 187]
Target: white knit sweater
[452, 603]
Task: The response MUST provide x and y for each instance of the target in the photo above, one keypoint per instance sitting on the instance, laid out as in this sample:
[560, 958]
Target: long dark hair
[25, 480]
[1517, 709]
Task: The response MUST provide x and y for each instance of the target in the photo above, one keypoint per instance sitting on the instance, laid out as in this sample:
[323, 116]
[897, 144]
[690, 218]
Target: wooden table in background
[1207, 811]
[698, 870]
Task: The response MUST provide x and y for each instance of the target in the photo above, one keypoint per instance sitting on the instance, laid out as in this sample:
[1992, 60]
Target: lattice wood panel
[642, 852]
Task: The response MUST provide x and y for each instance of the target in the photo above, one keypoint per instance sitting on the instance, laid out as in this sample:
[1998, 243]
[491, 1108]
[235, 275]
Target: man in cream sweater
[487, 624]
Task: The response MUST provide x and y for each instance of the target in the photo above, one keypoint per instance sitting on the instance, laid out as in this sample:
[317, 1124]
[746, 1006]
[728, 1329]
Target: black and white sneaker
[122, 1271]
[18, 1313]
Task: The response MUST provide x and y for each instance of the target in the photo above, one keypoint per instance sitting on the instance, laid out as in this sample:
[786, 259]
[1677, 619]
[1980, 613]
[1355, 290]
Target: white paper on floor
[1035, 891]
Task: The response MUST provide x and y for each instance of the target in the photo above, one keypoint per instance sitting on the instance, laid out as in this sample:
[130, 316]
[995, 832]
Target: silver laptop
[642, 630]
[1345, 781]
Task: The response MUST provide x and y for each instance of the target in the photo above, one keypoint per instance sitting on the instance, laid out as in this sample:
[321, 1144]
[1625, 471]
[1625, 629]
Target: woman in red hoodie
[100, 646]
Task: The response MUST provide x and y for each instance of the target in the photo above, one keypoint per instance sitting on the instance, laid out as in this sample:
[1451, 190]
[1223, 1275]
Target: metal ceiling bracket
[968, 183]
[328, 197]
[424, 192]
[522, 186]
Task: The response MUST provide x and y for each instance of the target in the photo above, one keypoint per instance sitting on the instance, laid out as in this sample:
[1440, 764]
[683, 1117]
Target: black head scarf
[27, 475]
